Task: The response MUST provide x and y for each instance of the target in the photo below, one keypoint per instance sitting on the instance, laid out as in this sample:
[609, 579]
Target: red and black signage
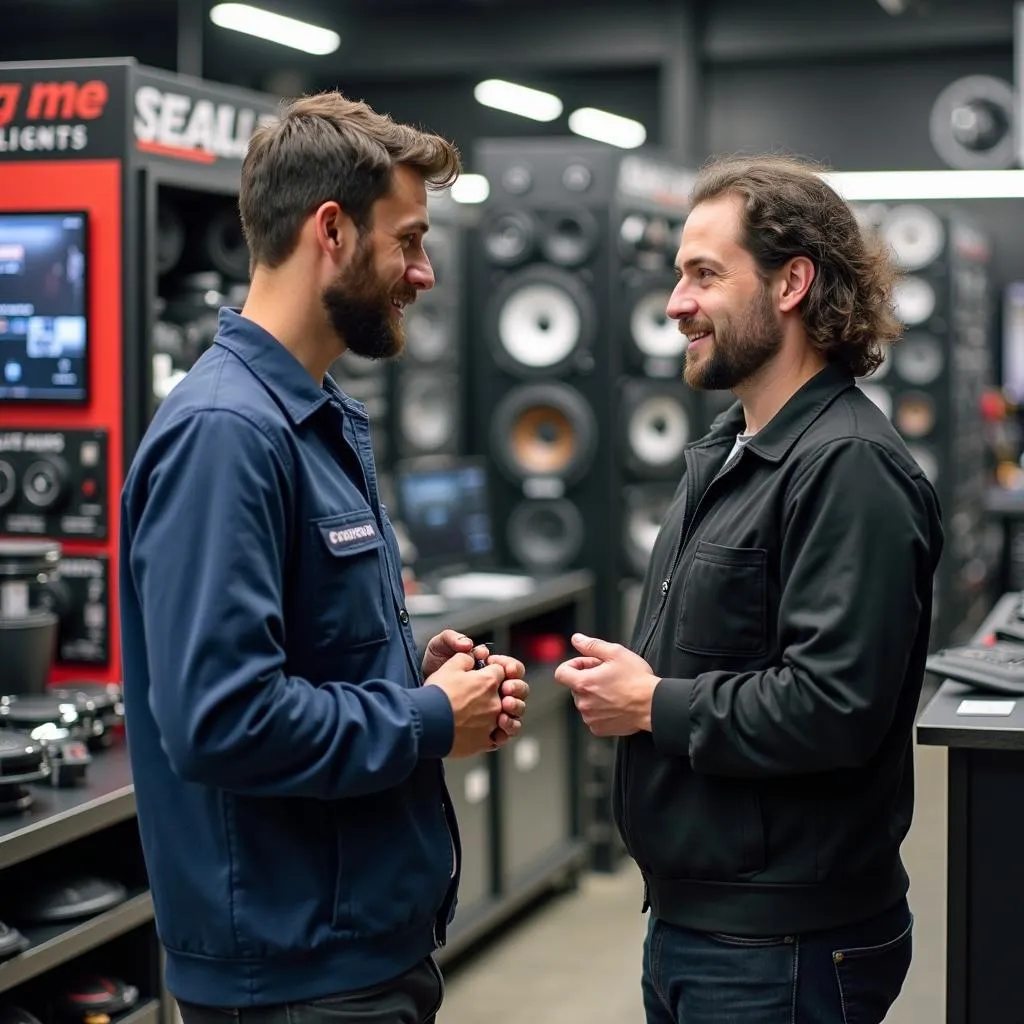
[200, 122]
[67, 111]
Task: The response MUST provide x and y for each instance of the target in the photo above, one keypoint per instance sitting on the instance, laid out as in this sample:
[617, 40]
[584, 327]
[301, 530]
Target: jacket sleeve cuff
[670, 716]
[435, 720]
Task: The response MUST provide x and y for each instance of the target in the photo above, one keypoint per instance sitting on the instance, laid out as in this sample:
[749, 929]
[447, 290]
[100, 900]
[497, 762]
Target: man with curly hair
[766, 702]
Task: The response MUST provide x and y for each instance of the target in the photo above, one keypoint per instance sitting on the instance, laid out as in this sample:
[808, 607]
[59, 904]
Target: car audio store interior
[528, 441]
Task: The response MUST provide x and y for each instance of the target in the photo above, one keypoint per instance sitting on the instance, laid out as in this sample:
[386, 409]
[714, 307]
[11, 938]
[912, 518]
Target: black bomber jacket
[787, 610]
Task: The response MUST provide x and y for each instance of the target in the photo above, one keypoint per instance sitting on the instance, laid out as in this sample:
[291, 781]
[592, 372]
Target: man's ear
[335, 231]
[795, 282]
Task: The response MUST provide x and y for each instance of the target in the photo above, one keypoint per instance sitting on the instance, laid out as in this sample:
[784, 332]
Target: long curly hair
[789, 210]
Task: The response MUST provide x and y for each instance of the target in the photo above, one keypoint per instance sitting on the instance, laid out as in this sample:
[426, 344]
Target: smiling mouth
[700, 336]
[399, 306]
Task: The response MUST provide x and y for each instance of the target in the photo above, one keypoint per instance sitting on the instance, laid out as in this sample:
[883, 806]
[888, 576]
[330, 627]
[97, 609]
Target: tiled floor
[576, 959]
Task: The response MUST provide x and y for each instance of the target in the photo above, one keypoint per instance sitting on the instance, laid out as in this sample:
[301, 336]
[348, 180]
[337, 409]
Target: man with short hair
[286, 743]
[764, 779]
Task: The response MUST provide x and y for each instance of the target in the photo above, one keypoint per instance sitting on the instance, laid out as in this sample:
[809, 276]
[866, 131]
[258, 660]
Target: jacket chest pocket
[724, 607]
[349, 581]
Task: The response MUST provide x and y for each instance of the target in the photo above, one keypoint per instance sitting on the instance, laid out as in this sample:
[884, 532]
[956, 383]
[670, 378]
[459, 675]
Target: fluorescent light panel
[254, 21]
[518, 99]
[603, 126]
[878, 186]
[471, 188]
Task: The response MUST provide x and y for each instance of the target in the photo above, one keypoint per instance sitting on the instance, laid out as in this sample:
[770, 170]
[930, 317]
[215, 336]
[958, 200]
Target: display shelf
[60, 816]
[53, 945]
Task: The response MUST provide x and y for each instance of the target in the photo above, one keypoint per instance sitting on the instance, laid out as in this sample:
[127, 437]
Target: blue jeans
[848, 975]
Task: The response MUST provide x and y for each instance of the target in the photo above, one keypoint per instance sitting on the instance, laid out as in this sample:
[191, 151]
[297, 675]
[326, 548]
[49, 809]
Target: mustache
[692, 327]
[406, 297]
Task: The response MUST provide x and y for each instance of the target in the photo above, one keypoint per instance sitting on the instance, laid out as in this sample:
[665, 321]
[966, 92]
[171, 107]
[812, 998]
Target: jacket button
[403, 617]
[664, 586]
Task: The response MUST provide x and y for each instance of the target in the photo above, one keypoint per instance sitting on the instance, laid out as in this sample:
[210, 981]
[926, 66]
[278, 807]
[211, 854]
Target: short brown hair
[788, 211]
[322, 148]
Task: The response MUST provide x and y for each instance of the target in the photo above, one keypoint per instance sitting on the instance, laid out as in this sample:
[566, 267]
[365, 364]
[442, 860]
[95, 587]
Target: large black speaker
[577, 395]
[931, 387]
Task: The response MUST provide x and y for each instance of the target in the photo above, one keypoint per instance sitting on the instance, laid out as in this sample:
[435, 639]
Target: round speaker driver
[543, 430]
[915, 414]
[914, 299]
[654, 334]
[508, 238]
[545, 534]
[427, 330]
[539, 325]
[919, 358]
[915, 234]
[658, 430]
[428, 415]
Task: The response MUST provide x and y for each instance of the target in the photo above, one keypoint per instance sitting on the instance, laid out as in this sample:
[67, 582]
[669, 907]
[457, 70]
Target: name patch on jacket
[350, 538]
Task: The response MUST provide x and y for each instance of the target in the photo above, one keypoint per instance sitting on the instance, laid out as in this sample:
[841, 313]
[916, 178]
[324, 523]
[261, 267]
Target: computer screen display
[446, 514]
[44, 326]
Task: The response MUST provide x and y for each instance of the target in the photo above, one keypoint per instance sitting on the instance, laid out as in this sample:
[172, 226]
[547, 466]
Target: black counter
[984, 732]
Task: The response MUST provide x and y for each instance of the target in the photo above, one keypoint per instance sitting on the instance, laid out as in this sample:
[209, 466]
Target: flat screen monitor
[445, 509]
[44, 322]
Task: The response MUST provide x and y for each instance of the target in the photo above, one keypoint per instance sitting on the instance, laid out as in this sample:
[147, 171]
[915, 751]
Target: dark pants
[412, 998]
[849, 975]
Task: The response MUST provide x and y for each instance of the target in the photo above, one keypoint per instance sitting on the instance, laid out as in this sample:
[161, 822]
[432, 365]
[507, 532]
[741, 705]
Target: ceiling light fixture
[471, 188]
[603, 126]
[861, 186]
[276, 28]
[518, 99]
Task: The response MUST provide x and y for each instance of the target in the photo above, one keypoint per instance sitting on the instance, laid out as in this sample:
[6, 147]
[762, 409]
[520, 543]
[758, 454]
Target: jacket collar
[778, 436]
[272, 364]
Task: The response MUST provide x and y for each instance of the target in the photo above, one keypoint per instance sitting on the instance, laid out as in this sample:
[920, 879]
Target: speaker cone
[224, 244]
[429, 331]
[657, 431]
[915, 414]
[541, 319]
[427, 412]
[544, 430]
[569, 237]
[508, 238]
[914, 299]
[545, 535]
[915, 234]
[919, 358]
[653, 333]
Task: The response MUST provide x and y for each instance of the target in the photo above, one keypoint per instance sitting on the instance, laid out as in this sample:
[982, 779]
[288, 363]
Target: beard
[359, 307]
[738, 347]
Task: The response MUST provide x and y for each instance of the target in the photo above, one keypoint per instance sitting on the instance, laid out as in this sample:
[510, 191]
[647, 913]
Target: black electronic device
[12, 942]
[44, 307]
[444, 508]
[101, 703]
[53, 483]
[70, 901]
[22, 760]
[95, 998]
[997, 666]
